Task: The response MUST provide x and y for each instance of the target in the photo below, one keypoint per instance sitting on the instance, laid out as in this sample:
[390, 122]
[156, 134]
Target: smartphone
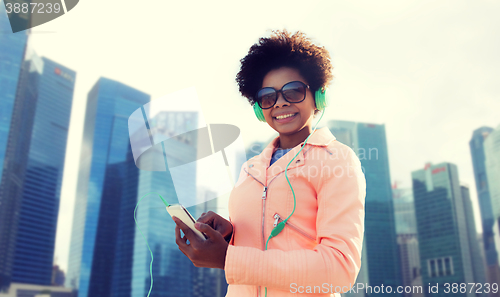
[180, 212]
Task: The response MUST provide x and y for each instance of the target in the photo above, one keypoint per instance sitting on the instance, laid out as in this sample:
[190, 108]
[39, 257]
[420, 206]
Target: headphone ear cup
[321, 99]
[258, 112]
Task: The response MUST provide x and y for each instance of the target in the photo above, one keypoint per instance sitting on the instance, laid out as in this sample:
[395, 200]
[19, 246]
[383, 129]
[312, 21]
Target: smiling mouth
[291, 115]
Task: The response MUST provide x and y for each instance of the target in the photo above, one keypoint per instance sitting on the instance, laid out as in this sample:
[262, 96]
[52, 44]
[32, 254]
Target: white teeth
[284, 116]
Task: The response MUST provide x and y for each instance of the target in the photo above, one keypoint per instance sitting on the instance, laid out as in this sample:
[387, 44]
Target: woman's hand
[210, 253]
[217, 223]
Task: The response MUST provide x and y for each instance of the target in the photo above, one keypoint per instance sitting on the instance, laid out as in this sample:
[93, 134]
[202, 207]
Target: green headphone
[319, 97]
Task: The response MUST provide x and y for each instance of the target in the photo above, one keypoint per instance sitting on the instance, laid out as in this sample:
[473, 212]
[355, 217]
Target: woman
[318, 250]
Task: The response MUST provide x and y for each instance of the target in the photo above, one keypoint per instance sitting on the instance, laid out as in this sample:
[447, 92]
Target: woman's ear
[316, 111]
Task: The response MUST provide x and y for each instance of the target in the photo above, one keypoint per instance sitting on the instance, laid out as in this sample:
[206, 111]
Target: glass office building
[44, 171]
[492, 162]
[174, 274]
[492, 172]
[476, 253]
[476, 145]
[380, 260]
[407, 238]
[209, 281]
[109, 251]
[404, 211]
[442, 228]
[106, 179]
[33, 167]
[12, 51]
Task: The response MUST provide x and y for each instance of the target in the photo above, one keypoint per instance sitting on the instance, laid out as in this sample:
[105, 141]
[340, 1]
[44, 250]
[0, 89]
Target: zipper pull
[264, 194]
[276, 219]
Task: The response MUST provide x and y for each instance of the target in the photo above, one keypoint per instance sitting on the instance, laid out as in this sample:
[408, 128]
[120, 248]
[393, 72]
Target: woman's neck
[290, 141]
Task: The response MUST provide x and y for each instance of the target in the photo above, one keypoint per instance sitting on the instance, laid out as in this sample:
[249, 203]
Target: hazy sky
[428, 70]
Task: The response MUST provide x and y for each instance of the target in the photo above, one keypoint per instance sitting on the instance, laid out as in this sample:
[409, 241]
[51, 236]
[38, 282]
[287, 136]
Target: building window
[432, 268]
[440, 266]
[448, 261]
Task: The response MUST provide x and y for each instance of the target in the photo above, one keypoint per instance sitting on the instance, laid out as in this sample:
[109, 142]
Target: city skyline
[36, 119]
[380, 260]
[444, 239]
[11, 52]
[104, 161]
[427, 99]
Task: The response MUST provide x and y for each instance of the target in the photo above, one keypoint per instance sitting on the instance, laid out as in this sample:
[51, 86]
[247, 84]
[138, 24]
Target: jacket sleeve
[335, 260]
[231, 239]
[240, 180]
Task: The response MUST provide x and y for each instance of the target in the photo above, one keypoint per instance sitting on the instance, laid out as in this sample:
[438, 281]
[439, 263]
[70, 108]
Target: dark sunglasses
[293, 92]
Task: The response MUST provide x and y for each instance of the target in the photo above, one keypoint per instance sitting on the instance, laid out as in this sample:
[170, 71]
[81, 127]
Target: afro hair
[282, 49]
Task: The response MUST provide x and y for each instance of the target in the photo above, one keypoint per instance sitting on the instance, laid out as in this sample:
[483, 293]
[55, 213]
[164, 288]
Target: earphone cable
[281, 225]
[150, 264]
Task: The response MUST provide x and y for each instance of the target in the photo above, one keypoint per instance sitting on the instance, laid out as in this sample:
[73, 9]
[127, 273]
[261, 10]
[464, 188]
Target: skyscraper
[12, 51]
[476, 254]
[105, 180]
[442, 228]
[404, 210]
[380, 261]
[115, 239]
[476, 145]
[44, 172]
[407, 237]
[33, 167]
[174, 274]
[209, 282]
[492, 166]
[492, 162]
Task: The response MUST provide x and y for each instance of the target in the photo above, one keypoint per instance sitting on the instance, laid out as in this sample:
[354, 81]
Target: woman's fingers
[181, 242]
[203, 253]
[188, 233]
[209, 231]
[206, 218]
[178, 238]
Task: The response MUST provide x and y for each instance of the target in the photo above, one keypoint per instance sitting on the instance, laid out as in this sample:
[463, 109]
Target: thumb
[209, 231]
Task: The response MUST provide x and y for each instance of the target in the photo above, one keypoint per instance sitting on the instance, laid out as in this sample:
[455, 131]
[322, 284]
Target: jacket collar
[259, 168]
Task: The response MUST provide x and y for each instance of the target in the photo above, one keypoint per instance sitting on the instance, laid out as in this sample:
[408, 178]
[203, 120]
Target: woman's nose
[281, 101]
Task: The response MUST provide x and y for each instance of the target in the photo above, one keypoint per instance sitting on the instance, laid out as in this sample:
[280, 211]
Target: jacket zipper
[278, 219]
[264, 196]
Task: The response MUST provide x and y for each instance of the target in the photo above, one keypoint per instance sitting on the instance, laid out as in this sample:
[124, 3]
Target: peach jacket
[319, 250]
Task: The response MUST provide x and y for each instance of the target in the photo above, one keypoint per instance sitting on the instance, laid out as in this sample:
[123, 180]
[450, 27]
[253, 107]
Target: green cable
[151, 264]
[281, 225]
